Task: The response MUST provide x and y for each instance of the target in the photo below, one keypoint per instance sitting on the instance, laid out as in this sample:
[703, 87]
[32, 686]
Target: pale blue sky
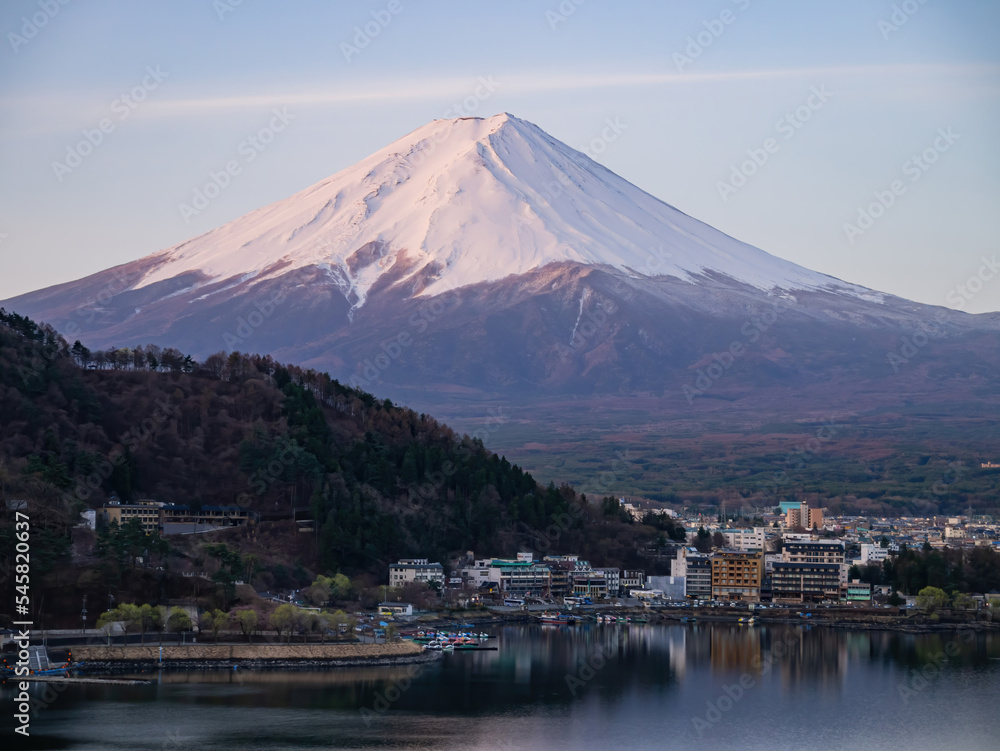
[687, 124]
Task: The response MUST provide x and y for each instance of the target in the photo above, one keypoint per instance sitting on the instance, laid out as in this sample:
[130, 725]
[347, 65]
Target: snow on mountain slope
[462, 201]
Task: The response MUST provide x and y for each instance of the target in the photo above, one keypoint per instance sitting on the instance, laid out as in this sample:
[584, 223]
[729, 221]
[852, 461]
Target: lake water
[622, 687]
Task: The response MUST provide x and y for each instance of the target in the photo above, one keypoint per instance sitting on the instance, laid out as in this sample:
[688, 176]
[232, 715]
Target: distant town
[797, 554]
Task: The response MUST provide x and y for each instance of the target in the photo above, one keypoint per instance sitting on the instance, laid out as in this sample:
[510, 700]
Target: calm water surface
[634, 687]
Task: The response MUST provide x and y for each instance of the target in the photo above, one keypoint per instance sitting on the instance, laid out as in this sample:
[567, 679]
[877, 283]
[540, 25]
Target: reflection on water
[573, 687]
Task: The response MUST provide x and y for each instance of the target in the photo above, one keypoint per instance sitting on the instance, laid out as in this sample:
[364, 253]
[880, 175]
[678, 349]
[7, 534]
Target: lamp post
[83, 614]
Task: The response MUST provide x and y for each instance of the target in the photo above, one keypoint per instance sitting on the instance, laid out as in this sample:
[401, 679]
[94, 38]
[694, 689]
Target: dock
[83, 679]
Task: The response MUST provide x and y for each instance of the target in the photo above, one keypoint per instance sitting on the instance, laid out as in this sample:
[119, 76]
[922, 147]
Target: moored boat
[557, 618]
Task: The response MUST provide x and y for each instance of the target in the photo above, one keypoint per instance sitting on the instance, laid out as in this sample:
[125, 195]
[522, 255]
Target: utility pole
[83, 614]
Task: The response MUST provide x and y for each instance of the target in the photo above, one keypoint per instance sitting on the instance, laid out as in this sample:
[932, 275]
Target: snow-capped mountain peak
[469, 200]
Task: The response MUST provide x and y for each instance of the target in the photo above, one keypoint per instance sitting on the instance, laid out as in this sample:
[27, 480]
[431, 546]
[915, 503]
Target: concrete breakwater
[251, 656]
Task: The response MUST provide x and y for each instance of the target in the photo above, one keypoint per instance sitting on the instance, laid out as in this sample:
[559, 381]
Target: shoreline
[256, 657]
[872, 621]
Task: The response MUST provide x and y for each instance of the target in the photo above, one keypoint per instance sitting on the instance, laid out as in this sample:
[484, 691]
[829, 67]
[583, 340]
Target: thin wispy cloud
[521, 83]
[979, 77]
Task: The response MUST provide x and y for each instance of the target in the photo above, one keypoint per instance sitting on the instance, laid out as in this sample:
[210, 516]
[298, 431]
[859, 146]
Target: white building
[695, 570]
[744, 539]
[415, 570]
[672, 587]
[614, 579]
[872, 553]
[395, 608]
[769, 561]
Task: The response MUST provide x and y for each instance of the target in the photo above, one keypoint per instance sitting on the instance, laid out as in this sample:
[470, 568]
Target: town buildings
[809, 566]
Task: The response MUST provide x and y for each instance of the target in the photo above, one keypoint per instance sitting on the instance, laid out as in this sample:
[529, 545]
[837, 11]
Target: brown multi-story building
[737, 575]
[804, 517]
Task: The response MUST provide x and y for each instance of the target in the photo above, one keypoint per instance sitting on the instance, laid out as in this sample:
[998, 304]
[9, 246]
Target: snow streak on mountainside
[463, 201]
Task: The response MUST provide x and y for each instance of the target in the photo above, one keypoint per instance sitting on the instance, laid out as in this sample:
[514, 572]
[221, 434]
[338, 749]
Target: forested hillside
[377, 481]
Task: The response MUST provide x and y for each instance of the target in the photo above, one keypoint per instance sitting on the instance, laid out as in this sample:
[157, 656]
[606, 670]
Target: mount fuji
[482, 258]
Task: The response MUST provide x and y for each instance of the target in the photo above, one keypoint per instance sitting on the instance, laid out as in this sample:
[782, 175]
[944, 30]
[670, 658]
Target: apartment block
[737, 575]
[744, 539]
[803, 516]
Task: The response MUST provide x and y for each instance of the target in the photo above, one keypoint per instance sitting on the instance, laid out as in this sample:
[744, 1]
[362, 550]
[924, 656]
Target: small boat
[557, 618]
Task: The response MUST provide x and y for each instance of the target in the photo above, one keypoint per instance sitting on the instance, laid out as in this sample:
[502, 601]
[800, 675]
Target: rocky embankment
[132, 658]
